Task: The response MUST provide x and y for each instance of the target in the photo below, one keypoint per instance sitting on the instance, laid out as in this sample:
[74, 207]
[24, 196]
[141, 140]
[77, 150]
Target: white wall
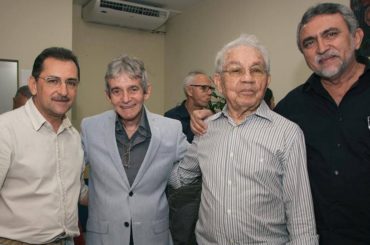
[27, 27]
[194, 37]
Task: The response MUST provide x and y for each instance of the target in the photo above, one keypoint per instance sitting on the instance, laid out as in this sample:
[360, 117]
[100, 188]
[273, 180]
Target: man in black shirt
[198, 88]
[184, 202]
[333, 109]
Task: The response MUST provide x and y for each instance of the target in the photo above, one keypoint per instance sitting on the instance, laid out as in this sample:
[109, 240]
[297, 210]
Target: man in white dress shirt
[41, 157]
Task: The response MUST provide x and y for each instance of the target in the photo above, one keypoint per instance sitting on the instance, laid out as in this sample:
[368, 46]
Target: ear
[268, 80]
[107, 95]
[148, 91]
[218, 82]
[188, 91]
[359, 35]
[32, 85]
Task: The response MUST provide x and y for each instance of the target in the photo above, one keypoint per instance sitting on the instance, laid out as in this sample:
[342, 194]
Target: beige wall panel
[194, 37]
[96, 45]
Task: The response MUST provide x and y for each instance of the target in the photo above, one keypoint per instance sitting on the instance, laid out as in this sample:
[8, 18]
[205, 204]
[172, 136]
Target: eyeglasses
[56, 82]
[238, 71]
[126, 155]
[204, 88]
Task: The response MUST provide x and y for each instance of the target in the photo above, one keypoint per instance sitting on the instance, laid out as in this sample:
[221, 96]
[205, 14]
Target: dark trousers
[184, 207]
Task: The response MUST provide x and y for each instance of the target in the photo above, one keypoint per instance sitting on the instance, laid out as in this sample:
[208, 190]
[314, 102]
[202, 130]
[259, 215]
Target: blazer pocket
[96, 226]
[161, 225]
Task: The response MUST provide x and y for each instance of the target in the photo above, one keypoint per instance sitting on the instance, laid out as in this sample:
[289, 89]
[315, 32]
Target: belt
[5, 241]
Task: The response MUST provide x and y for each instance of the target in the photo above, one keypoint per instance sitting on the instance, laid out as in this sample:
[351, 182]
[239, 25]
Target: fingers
[197, 124]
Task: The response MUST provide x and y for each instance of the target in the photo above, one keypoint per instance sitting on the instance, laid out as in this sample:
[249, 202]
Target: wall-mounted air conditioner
[125, 14]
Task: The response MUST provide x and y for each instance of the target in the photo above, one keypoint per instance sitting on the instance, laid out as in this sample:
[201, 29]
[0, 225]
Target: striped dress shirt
[255, 185]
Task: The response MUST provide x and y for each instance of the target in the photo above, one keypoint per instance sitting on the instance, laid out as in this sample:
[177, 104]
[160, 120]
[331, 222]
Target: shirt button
[336, 172]
[127, 224]
[131, 194]
[228, 211]
[339, 145]
[231, 154]
[340, 119]
[229, 182]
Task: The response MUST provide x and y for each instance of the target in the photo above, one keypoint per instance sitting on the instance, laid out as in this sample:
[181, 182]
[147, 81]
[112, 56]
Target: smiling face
[243, 80]
[328, 46]
[127, 97]
[54, 101]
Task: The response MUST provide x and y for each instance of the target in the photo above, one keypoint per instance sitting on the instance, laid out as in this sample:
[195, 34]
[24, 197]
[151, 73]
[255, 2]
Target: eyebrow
[329, 30]
[260, 62]
[309, 38]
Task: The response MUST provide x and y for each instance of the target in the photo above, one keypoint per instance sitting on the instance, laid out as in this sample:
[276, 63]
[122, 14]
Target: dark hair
[268, 96]
[328, 8]
[23, 90]
[56, 53]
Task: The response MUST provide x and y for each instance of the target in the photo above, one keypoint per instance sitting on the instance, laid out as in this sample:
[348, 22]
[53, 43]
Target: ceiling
[173, 5]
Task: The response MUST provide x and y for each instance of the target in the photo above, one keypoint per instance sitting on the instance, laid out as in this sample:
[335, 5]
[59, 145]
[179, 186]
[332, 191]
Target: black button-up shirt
[133, 151]
[338, 151]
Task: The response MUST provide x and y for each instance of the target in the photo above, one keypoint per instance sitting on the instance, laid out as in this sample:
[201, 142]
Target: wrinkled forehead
[243, 56]
[202, 78]
[318, 24]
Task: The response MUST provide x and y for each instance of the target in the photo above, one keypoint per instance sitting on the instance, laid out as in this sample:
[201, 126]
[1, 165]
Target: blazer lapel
[110, 141]
[152, 149]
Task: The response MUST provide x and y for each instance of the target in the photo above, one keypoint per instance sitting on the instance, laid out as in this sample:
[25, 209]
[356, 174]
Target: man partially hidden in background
[184, 202]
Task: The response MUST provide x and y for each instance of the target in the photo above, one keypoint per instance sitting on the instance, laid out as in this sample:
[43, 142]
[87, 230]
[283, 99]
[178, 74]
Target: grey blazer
[113, 203]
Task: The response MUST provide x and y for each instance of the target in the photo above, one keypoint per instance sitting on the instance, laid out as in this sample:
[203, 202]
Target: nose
[63, 89]
[125, 97]
[321, 46]
[247, 77]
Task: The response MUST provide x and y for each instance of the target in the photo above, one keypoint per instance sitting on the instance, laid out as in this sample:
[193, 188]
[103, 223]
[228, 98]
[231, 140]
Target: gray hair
[244, 40]
[124, 64]
[328, 8]
[190, 78]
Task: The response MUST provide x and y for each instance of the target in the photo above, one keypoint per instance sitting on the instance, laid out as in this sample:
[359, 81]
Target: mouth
[322, 59]
[247, 92]
[126, 107]
[61, 99]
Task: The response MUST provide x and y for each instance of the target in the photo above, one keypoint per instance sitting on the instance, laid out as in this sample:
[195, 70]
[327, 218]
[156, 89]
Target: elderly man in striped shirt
[253, 162]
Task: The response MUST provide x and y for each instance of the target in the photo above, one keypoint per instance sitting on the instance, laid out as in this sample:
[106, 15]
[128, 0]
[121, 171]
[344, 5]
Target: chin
[328, 73]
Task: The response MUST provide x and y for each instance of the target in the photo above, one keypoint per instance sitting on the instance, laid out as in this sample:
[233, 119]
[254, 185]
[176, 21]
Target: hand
[197, 124]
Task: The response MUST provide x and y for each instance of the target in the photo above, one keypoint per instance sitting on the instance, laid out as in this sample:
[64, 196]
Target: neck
[338, 87]
[190, 106]
[239, 116]
[54, 120]
[56, 123]
[130, 126]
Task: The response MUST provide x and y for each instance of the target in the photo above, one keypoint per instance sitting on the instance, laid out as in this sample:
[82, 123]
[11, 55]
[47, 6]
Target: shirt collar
[38, 120]
[263, 111]
[183, 112]
[143, 129]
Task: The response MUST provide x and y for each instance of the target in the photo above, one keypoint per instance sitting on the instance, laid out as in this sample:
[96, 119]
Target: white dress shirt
[255, 185]
[39, 177]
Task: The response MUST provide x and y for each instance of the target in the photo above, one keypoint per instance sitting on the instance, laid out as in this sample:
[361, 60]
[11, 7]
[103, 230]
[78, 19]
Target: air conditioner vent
[131, 9]
[125, 14]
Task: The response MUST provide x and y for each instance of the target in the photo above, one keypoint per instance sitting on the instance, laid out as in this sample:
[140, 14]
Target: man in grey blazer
[131, 153]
